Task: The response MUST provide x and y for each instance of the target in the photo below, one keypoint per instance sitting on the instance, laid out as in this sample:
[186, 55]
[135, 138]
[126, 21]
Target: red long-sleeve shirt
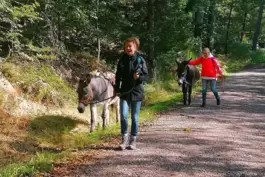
[210, 67]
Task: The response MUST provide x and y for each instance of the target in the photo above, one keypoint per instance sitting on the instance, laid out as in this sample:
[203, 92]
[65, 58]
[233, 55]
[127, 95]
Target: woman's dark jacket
[130, 89]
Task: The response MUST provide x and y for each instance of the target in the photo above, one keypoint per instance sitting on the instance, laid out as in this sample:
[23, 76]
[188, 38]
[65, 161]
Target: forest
[58, 30]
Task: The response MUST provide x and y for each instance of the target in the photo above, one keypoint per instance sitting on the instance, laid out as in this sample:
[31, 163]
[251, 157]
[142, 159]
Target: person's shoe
[124, 142]
[132, 144]
[203, 104]
[218, 101]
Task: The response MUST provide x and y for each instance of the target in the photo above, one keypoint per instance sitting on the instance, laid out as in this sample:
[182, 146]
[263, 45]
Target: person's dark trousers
[205, 83]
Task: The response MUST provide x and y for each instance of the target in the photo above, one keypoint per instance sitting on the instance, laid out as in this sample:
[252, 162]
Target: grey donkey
[98, 90]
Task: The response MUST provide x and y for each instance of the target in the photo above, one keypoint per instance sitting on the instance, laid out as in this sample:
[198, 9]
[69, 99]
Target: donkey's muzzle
[180, 81]
[81, 108]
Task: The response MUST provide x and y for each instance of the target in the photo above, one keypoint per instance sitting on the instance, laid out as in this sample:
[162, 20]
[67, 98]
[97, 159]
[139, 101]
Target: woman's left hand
[135, 76]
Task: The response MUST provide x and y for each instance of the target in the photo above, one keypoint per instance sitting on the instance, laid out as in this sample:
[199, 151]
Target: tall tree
[228, 25]
[198, 17]
[258, 26]
[151, 44]
[97, 28]
[211, 24]
[245, 12]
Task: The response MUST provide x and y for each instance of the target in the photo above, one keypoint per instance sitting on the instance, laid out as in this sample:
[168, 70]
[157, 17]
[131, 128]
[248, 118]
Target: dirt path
[226, 140]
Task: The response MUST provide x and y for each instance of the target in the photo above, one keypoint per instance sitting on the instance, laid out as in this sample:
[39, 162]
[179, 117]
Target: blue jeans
[213, 88]
[135, 110]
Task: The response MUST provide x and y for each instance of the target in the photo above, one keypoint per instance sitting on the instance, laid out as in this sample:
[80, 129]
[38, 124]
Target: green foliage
[44, 53]
[14, 20]
[26, 11]
[241, 55]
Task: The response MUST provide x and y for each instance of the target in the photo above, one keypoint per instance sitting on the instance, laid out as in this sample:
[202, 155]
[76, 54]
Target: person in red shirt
[210, 69]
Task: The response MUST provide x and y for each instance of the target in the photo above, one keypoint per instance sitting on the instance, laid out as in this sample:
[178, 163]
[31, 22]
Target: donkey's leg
[93, 111]
[117, 109]
[105, 115]
[189, 94]
[184, 91]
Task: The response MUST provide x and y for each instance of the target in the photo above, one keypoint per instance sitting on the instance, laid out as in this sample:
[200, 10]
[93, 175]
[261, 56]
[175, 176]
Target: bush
[241, 55]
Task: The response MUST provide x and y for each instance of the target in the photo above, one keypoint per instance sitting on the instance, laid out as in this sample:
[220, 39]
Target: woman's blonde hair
[135, 40]
[206, 49]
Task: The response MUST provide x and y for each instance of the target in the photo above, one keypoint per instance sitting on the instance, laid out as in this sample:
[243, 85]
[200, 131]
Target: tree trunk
[98, 38]
[228, 27]
[211, 25]
[151, 45]
[243, 26]
[258, 26]
[198, 23]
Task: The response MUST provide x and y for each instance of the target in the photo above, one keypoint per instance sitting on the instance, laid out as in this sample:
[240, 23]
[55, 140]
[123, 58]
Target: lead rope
[94, 102]
[223, 84]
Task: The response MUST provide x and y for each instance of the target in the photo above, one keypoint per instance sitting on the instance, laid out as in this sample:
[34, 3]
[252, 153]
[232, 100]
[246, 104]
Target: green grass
[55, 132]
[42, 162]
[39, 83]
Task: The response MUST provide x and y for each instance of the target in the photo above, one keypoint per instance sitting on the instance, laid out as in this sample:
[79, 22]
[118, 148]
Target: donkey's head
[181, 71]
[84, 91]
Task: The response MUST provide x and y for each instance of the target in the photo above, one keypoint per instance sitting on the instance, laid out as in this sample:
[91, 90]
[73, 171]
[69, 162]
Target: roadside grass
[42, 162]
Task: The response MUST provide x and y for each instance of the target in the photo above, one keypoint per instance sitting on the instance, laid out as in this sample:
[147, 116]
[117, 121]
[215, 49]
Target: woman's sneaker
[218, 101]
[132, 145]
[203, 104]
[124, 142]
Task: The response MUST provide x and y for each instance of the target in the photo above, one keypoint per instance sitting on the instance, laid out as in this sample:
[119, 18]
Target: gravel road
[226, 140]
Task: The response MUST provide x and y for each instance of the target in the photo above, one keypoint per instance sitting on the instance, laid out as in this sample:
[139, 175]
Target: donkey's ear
[186, 62]
[177, 62]
[89, 75]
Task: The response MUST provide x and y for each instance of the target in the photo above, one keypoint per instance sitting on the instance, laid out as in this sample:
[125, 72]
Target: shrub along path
[226, 140]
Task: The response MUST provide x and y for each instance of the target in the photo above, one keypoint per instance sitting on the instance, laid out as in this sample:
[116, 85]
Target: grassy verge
[39, 83]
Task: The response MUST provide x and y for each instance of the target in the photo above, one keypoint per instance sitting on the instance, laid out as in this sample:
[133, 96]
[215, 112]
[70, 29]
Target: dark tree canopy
[58, 29]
